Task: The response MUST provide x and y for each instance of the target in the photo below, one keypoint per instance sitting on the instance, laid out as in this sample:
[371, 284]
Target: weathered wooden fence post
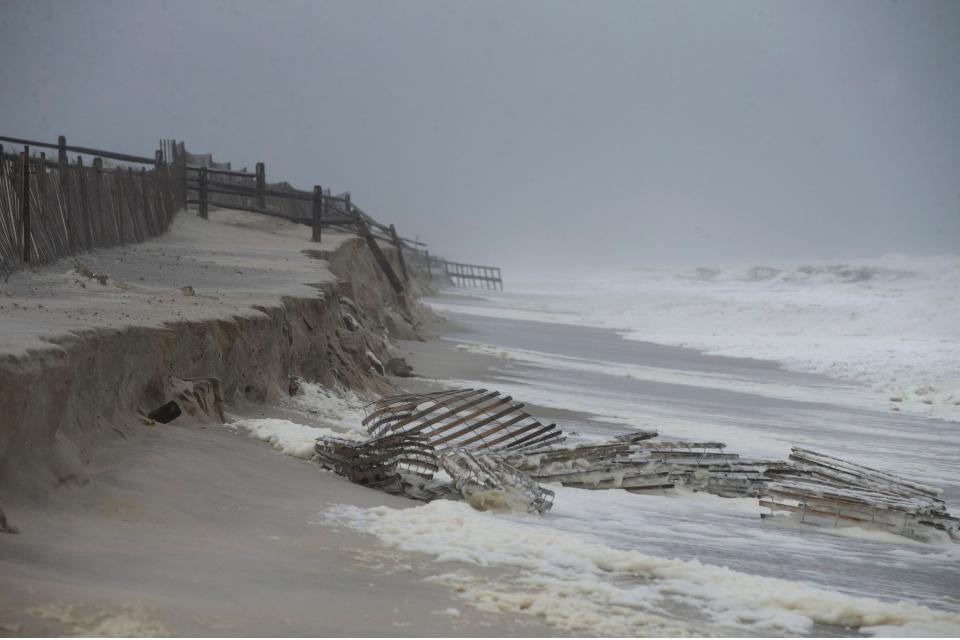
[317, 213]
[159, 182]
[158, 185]
[25, 205]
[261, 186]
[98, 195]
[202, 193]
[381, 259]
[399, 246]
[149, 213]
[117, 206]
[131, 197]
[347, 205]
[87, 233]
[41, 169]
[429, 270]
[62, 168]
[180, 160]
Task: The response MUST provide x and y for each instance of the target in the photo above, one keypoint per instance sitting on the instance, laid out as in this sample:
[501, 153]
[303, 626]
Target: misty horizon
[538, 134]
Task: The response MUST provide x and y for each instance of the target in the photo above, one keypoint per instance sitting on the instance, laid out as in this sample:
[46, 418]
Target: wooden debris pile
[472, 419]
[460, 431]
[486, 443]
[636, 462]
[480, 446]
[487, 483]
[820, 489]
[400, 464]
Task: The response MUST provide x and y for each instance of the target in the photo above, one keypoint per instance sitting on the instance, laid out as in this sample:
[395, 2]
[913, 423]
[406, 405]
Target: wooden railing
[53, 208]
[467, 275]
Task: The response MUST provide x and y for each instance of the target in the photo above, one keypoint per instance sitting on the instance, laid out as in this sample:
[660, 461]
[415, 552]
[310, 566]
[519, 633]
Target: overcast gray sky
[610, 133]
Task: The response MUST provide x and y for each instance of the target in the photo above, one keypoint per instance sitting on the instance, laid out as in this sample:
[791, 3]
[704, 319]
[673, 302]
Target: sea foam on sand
[342, 410]
[576, 583]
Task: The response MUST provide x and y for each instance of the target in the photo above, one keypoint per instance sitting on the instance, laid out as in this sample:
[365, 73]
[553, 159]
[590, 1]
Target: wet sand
[762, 411]
[201, 530]
[890, 568]
[190, 529]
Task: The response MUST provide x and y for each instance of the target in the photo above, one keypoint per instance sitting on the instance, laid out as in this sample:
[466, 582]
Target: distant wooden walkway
[472, 275]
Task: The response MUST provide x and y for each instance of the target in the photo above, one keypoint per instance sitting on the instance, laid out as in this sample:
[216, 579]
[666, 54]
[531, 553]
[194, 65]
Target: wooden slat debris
[414, 435]
[473, 419]
[828, 491]
[400, 464]
[637, 462]
[405, 464]
[488, 483]
[498, 455]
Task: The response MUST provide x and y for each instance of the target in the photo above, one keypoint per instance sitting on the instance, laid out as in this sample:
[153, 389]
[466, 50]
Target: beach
[133, 527]
[208, 527]
[757, 408]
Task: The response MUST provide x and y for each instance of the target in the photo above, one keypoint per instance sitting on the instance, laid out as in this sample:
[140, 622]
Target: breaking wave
[803, 274]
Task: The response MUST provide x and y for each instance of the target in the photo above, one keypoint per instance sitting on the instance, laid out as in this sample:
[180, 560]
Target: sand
[760, 409]
[204, 531]
[232, 262]
[194, 528]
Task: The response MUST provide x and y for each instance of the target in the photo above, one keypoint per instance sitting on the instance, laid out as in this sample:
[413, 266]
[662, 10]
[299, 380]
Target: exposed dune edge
[57, 403]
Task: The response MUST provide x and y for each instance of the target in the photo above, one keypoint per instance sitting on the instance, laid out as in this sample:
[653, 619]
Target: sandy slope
[193, 528]
[232, 261]
[204, 531]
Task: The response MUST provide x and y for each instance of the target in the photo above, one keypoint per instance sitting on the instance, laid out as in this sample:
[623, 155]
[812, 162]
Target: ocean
[856, 360]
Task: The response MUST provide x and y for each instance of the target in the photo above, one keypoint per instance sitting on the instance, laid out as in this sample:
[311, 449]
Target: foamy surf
[341, 410]
[888, 323]
[577, 583]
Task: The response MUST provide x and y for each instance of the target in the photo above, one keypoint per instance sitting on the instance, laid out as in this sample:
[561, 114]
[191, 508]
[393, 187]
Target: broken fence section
[827, 491]
[476, 419]
[635, 462]
[470, 275]
[488, 483]
[481, 446]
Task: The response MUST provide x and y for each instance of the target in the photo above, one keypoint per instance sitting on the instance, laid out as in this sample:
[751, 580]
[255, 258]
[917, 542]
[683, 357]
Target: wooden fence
[53, 208]
[471, 275]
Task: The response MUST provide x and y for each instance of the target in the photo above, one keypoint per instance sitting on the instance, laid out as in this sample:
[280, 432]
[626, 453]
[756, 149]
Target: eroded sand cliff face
[76, 386]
